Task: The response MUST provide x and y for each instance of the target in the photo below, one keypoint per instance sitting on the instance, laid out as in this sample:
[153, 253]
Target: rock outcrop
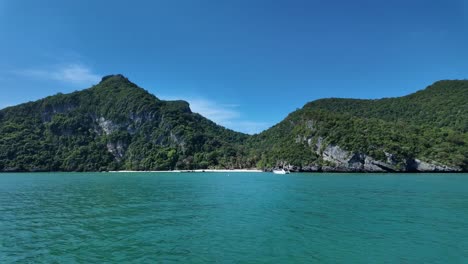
[417, 165]
[339, 160]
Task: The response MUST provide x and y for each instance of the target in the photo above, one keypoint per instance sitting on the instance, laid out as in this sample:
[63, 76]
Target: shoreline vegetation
[300, 172]
[242, 171]
[118, 126]
[184, 171]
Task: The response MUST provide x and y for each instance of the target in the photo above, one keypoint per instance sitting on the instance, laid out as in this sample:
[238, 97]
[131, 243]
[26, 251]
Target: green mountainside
[115, 125]
[443, 104]
[424, 131]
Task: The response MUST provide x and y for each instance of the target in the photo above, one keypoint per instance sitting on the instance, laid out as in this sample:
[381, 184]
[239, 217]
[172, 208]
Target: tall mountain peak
[114, 77]
[116, 81]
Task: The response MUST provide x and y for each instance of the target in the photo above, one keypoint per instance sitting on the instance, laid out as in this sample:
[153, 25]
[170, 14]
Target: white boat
[282, 171]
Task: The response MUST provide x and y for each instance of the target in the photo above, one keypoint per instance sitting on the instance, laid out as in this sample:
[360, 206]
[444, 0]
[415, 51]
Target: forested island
[116, 125]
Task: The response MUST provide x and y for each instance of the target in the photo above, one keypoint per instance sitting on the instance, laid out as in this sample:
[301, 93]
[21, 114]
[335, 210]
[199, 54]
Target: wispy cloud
[219, 113]
[227, 115]
[69, 73]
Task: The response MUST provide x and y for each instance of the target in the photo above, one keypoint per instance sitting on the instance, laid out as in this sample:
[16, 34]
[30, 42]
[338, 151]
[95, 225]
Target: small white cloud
[226, 115]
[219, 113]
[70, 73]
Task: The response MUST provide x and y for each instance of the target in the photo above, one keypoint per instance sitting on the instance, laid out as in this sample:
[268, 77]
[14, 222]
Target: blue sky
[245, 64]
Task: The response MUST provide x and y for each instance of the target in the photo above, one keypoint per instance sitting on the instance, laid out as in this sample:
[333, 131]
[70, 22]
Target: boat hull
[280, 172]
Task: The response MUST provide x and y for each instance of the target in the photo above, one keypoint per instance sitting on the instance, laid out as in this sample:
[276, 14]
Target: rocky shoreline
[327, 169]
[340, 160]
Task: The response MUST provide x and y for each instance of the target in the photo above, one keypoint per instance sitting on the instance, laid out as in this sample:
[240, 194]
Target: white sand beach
[199, 170]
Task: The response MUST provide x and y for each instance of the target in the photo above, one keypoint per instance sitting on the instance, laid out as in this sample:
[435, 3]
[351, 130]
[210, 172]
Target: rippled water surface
[233, 218]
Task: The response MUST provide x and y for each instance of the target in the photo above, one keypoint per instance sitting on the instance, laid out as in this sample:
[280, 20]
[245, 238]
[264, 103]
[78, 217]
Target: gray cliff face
[117, 149]
[336, 159]
[343, 160]
[51, 110]
[421, 166]
[107, 126]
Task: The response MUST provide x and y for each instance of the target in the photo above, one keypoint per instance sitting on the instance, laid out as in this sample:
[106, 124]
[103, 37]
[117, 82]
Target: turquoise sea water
[233, 218]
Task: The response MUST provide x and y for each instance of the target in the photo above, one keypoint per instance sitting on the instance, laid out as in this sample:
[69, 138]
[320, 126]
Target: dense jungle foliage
[431, 125]
[115, 125]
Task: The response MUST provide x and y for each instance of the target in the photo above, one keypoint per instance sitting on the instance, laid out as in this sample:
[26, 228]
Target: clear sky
[245, 64]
